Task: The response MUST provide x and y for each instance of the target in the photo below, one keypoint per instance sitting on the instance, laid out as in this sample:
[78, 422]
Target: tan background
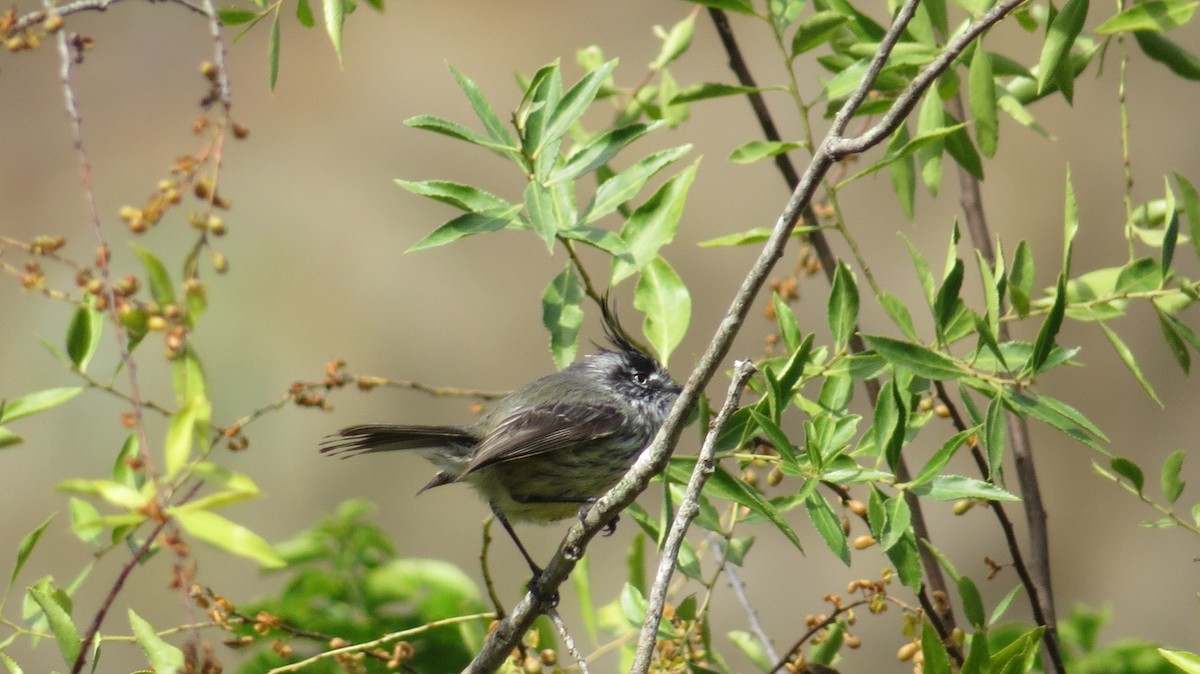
[316, 241]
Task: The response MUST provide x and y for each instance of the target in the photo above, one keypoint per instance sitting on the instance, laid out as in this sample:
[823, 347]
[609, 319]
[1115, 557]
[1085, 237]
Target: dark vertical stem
[971, 200]
[933, 571]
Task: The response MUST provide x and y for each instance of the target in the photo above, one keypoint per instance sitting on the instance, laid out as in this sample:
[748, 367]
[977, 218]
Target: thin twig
[567, 640]
[689, 508]
[756, 626]
[780, 663]
[369, 645]
[66, 9]
[486, 569]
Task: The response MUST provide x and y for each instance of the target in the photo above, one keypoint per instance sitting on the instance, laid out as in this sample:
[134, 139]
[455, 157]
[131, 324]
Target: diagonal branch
[509, 631]
[689, 508]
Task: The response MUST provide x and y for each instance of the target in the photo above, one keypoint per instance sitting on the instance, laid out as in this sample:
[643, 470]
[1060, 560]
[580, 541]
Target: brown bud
[863, 542]
[240, 132]
[53, 22]
[209, 70]
[857, 507]
[907, 651]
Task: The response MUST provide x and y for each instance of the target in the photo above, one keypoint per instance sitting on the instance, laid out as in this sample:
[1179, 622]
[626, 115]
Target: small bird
[550, 447]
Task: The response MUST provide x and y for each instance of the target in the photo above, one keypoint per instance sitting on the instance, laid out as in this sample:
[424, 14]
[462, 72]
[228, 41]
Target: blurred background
[316, 245]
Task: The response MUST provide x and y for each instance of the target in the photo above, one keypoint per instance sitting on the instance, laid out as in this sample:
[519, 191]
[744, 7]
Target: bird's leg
[533, 567]
[610, 527]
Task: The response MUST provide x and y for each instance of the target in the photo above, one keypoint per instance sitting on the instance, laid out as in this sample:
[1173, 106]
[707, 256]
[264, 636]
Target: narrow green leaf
[726, 486]
[816, 30]
[761, 149]
[752, 648]
[981, 96]
[539, 204]
[954, 487]
[895, 154]
[120, 495]
[459, 132]
[930, 119]
[180, 434]
[1155, 15]
[1172, 486]
[843, 306]
[972, 603]
[24, 549]
[10, 664]
[991, 291]
[897, 522]
[623, 186]
[789, 325]
[1189, 663]
[887, 419]
[83, 334]
[916, 358]
[599, 151]
[36, 402]
[463, 197]
[467, 224]
[662, 296]
[1160, 48]
[750, 237]
[960, 147]
[894, 307]
[828, 526]
[935, 658]
[1044, 343]
[226, 535]
[85, 521]
[1175, 342]
[924, 275]
[160, 281]
[335, 17]
[273, 54]
[707, 90]
[8, 438]
[946, 303]
[995, 428]
[1057, 415]
[1170, 232]
[1060, 35]
[573, 104]
[162, 656]
[233, 16]
[1191, 209]
[1020, 278]
[66, 635]
[903, 172]
[581, 576]
[1130, 362]
[562, 313]
[653, 225]
[496, 130]
[941, 457]
[736, 6]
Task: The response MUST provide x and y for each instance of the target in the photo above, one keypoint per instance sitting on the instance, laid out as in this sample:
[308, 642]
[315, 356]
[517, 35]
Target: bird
[552, 446]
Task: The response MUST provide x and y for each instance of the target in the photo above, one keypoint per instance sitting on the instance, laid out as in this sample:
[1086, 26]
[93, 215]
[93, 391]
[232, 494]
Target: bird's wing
[545, 428]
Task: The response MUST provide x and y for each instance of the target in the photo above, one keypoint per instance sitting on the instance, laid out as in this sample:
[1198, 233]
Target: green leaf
[8, 438]
[1130, 362]
[843, 306]
[459, 132]
[707, 90]
[496, 130]
[918, 359]
[562, 313]
[981, 96]
[736, 6]
[335, 17]
[1155, 15]
[930, 120]
[1191, 208]
[661, 295]
[233, 16]
[163, 657]
[789, 325]
[85, 521]
[120, 495]
[83, 334]
[677, 41]
[927, 140]
[924, 275]
[946, 303]
[599, 151]
[273, 54]
[653, 225]
[24, 549]
[726, 486]
[66, 635]
[1171, 232]
[180, 434]
[941, 457]
[955, 487]
[750, 237]
[897, 523]
[761, 149]
[1020, 278]
[1189, 663]
[1172, 486]
[888, 422]
[304, 14]
[816, 30]
[960, 147]
[1175, 342]
[828, 526]
[752, 648]
[894, 307]
[160, 281]
[623, 186]
[226, 535]
[463, 197]
[902, 172]
[935, 658]
[1044, 343]
[972, 603]
[1160, 48]
[1130, 471]
[1060, 35]
[573, 104]
[1058, 415]
[36, 402]
[539, 204]
[467, 224]
[994, 429]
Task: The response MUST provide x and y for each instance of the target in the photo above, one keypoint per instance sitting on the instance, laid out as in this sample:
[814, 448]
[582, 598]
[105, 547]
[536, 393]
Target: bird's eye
[640, 378]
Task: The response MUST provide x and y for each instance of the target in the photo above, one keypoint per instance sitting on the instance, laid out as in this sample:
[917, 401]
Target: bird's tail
[371, 438]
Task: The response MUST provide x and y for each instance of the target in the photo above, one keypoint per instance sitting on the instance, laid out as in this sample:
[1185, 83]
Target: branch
[654, 459]
[689, 508]
[29, 20]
